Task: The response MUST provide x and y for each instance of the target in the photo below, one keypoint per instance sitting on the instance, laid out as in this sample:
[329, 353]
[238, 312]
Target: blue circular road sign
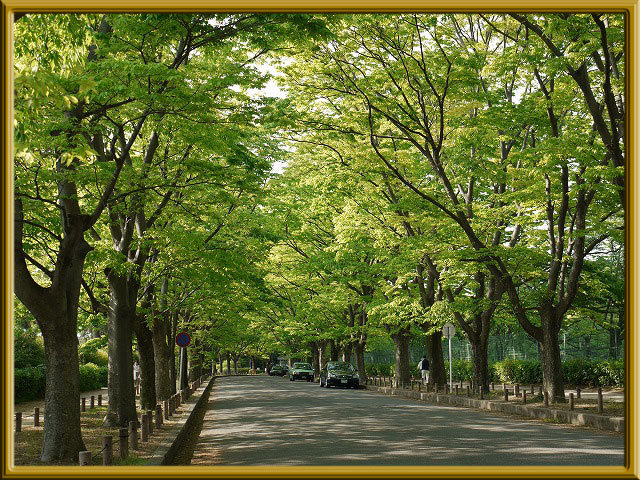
[183, 339]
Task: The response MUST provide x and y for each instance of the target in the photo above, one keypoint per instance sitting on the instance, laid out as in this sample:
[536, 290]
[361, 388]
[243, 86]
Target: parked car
[339, 374]
[280, 370]
[301, 371]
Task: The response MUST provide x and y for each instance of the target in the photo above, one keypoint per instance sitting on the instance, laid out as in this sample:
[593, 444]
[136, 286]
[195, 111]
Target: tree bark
[122, 405]
[359, 354]
[401, 340]
[316, 359]
[481, 365]
[553, 380]
[147, 365]
[437, 372]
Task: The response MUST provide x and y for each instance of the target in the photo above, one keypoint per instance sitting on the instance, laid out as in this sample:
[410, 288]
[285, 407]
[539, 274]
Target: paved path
[271, 421]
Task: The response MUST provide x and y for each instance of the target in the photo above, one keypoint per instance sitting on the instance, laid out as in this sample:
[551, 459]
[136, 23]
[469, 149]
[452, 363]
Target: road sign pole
[450, 371]
[181, 360]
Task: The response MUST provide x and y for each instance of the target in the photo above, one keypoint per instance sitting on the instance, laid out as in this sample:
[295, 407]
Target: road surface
[256, 420]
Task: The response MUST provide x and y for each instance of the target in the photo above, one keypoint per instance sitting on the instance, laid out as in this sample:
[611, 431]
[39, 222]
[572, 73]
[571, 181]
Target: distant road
[259, 420]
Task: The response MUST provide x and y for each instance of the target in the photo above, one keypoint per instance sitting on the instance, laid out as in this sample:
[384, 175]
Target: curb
[600, 422]
[164, 454]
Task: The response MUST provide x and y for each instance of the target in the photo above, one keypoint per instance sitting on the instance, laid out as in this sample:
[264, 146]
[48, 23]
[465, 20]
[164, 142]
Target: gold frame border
[632, 286]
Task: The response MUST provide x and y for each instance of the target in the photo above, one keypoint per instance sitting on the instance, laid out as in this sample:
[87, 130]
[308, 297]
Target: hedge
[30, 382]
[605, 373]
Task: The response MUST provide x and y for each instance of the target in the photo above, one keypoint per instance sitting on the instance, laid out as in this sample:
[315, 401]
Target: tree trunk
[359, 354]
[552, 376]
[162, 358]
[62, 438]
[333, 351]
[228, 364]
[122, 405]
[402, 339]
[315, 359]
[437, 372]
[346, 353]
[172, 352]
[235, 365]
[480, 365]
[147, 365]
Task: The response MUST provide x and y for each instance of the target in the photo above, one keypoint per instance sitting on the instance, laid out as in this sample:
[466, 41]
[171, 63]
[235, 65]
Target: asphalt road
[259, 420]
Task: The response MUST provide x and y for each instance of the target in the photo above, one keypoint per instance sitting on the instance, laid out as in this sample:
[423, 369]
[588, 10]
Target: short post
[600, 407]
[517, 391]
[124, 443]
[85, 457]
[506, 394]
[578, 392]
[144, 432]
[107, 450]
[158, 416]
[150, 421]
[18, 421]
[571, 401]
[427, 388]
[36, 417]
[493, 387]
[100, 400]
[481, 392]
[133, 434]
[524, 397]
[540, 390]
[92, 405]
[546, 399]
[504, 387]
[446, 388]
[456, 389]
[166, 410]
[468, 390]
[436, 388]
[84, 404]
[172, 404]
[532, 391]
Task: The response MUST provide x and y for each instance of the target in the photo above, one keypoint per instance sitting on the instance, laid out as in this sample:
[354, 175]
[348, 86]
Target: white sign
[448, 330]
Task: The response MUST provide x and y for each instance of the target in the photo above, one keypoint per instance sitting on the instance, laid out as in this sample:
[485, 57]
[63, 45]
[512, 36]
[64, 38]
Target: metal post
[181, 360]
[450, 366]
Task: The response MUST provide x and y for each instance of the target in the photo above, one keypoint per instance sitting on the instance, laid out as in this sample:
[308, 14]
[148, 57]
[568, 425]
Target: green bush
[28, 349]
[382, 369]
[461, 370]
[29, 383]
[606, 373]
[518, 371]
[94, 351]
[578, 371]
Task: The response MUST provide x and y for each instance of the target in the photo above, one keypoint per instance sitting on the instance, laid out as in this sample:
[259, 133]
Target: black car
[280, 370]
[339, 374]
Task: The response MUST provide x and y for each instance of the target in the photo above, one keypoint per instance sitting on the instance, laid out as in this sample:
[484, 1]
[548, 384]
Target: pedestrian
[136, 375]
[423, 366]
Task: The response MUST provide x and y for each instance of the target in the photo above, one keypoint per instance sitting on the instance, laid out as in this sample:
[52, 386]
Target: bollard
[600, 406]
[481, 392]
[506, 394]
[468, 390]
[532, 391]
[158, 416]
[100, 400]
[172, 405]
[107, 450]
[446, 388]
[493, 387]
[504, 387]
[517, 390]
[133, 434]
[18, 421]
[540, 390]
[524, 397]
[546, 399]
[571, 401]
[150, 417]
[144, 429]
[124, 443]
[578, 392]
[85, 457]
[456, 389]
[84, 404]
[166, 410]
[36, 417]
[427, 388]
[92, 405]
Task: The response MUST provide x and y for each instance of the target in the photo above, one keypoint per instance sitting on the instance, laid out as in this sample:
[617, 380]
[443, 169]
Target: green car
[301, 371]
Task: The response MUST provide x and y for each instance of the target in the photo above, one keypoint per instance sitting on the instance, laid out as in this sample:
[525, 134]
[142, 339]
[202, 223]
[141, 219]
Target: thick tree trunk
[235, 365]
[552, 375]
[401, 340]
[333, 351]
[228, 364]
[315, 359]
[359, 354]
[480, 365]
[346, 353]
[147, 365]
[162, 358]
[62, 438]
[172, 352]
[437, 372]
[122, 406]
